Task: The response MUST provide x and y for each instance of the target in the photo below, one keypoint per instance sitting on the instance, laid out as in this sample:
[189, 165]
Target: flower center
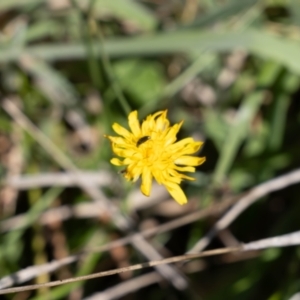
[153, 152]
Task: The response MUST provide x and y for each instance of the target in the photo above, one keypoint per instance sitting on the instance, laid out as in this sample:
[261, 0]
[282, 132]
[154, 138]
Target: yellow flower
[150, 150]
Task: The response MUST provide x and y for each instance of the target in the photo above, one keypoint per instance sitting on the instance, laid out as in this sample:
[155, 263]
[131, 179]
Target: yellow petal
[179, 146]
[162, 123]
[117, 162]
[178, 176]
[158, 175]
[174, 178]
[187, 177]
[116, 140]
[146, 182]
[133, 172]
[190, 160]
[159, 113]
[121, 131]
[134, 123]
[176, 192]
[147, 126]
[171, 136]
[125, 152]
[128, 161]
[192, 148]
[185, 169]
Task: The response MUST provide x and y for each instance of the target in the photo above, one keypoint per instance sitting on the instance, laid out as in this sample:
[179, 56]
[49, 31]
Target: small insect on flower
[142, 140]
[162, 157]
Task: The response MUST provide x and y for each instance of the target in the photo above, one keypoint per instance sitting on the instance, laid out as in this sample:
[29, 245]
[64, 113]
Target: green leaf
[237, 133]
[260, 43]
[143, 80]
[220, 13]
[257, 141]
[215, 127]
[126, 10]
[281, 105]
[50, 82]
[15, 4]
[269, 72]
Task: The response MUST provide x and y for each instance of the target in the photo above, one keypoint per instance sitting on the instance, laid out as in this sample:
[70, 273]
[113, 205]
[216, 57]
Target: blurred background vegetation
[230, 69]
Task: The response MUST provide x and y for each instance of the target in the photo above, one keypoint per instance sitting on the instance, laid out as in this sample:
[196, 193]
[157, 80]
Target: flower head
[150, 150]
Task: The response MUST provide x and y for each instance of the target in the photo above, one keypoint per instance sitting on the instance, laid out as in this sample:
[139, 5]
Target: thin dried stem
[61, 212]
[286, 240]
[25, 182]
[251, 197]
[154, 263]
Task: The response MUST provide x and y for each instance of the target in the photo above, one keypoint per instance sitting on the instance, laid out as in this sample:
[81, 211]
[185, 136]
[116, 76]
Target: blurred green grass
[230, 69]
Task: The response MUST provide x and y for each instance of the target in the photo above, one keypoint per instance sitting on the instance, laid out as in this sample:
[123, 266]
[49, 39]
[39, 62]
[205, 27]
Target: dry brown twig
[33, 271]
[139, 282]
[126, 287]
[24, 182]
[286, 240]
[93, 210]
[254, 194]
[121, 270]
